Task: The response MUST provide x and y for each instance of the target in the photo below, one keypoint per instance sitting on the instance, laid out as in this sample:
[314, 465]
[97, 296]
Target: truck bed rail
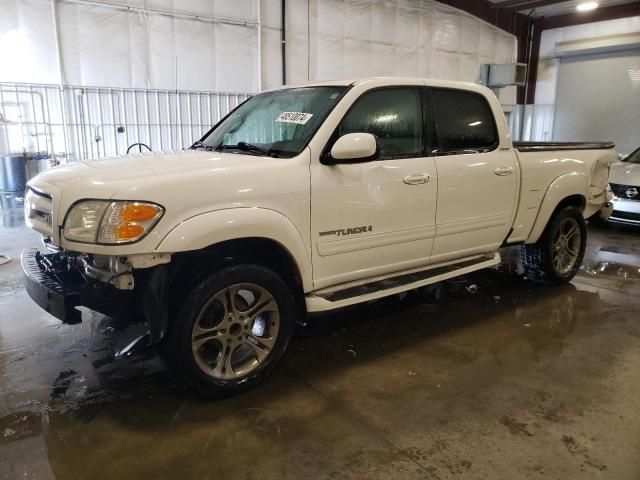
[545, 146]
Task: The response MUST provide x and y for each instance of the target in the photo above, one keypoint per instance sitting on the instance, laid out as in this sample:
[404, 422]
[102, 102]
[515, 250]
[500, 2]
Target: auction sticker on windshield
[294, 117]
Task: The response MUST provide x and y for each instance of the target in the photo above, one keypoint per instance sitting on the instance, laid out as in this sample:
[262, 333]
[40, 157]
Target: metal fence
[74, 123]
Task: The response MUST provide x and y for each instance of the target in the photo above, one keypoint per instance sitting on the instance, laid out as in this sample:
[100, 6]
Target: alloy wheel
[566, 246]
[235, 331]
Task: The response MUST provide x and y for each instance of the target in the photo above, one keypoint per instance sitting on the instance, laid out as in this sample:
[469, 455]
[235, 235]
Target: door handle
[416, 178]
[503, 171]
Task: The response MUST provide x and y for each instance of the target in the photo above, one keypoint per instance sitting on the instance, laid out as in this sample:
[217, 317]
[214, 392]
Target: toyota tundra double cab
[305, 199]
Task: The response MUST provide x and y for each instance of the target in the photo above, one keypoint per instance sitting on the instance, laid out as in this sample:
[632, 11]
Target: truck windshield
[278, 124]
[633, 157]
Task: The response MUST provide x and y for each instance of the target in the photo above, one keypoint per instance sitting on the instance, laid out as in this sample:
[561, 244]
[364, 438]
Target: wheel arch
[261, 251]
[566, 190]
[258, 234]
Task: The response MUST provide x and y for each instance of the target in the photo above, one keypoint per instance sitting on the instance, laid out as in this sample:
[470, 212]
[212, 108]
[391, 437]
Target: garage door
[599, 99]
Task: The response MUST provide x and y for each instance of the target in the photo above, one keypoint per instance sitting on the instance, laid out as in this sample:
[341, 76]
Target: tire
[556, 257]
[230, 331]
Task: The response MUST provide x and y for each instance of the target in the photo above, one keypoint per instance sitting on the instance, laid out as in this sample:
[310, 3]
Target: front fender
[564, 186]
[218, 226]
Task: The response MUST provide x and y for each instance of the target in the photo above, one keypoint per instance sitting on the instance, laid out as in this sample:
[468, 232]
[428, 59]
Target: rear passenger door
[477, 180]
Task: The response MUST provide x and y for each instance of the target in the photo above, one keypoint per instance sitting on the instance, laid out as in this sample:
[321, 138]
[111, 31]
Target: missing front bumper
[58, 285]
[45, 287]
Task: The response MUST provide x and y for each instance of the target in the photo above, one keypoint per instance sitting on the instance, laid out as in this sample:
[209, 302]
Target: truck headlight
[110, 222]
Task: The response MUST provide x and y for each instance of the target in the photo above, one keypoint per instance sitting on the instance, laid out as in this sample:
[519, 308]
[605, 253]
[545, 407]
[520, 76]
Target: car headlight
[110, 222]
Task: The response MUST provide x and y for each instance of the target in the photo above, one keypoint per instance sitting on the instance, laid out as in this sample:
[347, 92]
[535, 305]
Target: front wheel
[231, 331]
[556, 257]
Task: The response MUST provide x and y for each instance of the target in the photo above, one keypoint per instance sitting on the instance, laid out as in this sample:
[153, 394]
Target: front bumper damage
[58, 285]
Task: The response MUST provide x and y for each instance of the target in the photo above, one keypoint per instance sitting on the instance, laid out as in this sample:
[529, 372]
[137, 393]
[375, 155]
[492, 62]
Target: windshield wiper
[247, 147]
[250, 147]
[200, 144]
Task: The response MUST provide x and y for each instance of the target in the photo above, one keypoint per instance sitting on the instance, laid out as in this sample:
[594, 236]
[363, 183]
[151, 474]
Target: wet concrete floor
[500, 378]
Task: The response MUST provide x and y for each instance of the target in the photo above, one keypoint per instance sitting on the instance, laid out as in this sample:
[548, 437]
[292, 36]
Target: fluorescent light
[586, 6]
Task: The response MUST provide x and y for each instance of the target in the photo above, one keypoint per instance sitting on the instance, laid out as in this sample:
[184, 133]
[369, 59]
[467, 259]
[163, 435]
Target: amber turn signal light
[138, 212]
[129, 231]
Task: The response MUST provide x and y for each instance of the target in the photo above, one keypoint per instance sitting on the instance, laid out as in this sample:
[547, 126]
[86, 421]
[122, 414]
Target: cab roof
[389, 81]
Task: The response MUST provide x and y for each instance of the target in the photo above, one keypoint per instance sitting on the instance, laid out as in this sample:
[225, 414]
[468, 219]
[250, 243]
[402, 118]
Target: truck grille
[37, 211]
[628, 192]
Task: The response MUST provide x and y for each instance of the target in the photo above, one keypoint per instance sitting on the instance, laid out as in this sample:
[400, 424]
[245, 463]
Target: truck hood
[625, 173]
[103, 178]
[185, 183]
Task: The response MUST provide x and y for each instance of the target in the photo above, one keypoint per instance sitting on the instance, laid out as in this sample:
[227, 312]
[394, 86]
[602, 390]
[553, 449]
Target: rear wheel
[231, 330]
[558, 254]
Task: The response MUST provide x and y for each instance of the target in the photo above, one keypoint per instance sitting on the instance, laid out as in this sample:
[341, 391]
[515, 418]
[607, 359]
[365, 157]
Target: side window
[394, 116]
[464, 121]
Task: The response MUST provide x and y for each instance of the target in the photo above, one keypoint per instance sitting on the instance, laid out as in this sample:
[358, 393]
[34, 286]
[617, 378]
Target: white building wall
[146, 67]
[112, 46]
[548, 65]
[328, 39]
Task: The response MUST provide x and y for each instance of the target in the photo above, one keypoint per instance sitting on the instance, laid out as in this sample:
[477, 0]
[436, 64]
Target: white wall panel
[195, 54]
[120, 47]
[96, 45]
[236, 63]
[271, 57]
[27, 42]
[359, 38]
[112, 46]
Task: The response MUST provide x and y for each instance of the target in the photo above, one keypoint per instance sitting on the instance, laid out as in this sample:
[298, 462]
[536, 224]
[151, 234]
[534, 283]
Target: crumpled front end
[57, 282]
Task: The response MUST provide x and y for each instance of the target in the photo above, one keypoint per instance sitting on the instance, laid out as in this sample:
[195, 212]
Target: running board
[379, 287]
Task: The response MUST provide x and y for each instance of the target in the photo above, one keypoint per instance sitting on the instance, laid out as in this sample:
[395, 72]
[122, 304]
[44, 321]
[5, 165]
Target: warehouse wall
[146, 67]
[611, 82]
[560, 113]
[118, 47]
[548, 64]
[353, 38]
[106, 46]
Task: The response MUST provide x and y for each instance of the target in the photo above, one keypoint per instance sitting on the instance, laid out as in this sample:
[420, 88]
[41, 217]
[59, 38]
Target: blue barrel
[13, 173]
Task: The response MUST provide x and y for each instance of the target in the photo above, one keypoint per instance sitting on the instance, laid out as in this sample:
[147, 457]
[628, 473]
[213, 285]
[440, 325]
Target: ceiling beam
[525, 4]
[597, 15]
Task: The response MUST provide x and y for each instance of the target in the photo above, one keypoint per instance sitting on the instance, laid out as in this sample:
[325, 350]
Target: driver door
[377, 216]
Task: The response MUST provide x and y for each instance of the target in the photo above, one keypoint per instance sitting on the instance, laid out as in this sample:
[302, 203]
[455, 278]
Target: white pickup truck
[305, 199]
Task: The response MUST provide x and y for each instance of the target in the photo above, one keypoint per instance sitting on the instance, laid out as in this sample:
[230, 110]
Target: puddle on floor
[611, 269]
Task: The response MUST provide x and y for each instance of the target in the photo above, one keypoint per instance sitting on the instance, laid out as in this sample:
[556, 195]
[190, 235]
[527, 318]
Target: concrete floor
[503, 380]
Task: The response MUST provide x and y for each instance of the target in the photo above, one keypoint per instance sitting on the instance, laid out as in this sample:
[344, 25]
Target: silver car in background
[624, 180]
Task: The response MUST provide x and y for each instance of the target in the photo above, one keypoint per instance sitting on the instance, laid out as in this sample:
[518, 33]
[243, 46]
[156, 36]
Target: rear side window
[464, 121]
[394, 116]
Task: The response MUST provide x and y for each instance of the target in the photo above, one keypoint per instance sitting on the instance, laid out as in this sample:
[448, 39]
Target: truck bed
[542, 163]
[546, 146]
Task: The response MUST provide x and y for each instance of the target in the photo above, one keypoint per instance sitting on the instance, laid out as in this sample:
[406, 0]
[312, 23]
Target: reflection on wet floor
[614, 261]
[490, 376]
[11, 215]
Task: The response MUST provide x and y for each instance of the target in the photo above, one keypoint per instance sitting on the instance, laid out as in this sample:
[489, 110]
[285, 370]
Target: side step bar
[383, 286]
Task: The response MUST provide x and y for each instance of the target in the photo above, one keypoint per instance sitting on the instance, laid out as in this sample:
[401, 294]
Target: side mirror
[354, 147]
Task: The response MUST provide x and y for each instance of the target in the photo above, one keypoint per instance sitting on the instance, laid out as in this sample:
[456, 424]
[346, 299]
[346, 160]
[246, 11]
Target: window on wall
[464, 121]
[394, 116]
